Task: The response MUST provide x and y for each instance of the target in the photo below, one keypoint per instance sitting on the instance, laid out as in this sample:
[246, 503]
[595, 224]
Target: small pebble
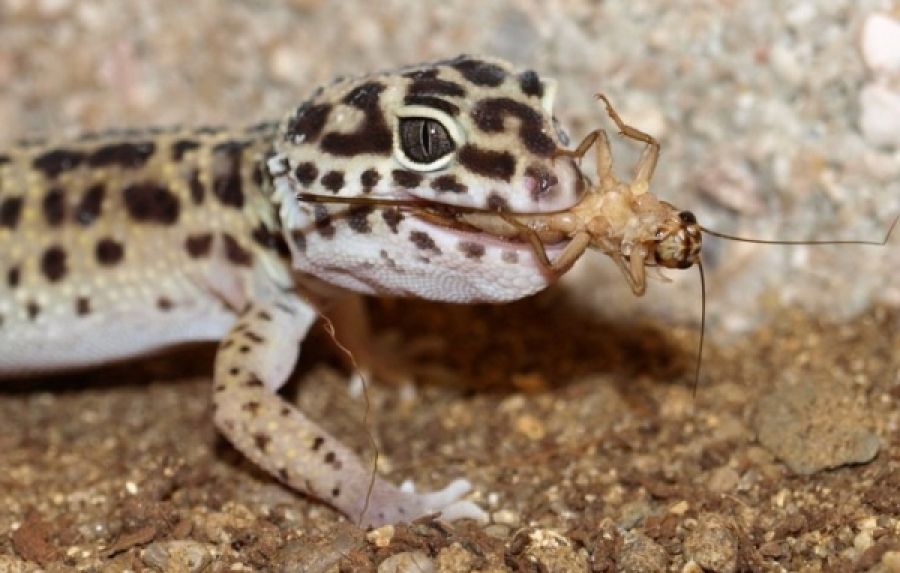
[176, 555]
[880, 114]
[881, 43]
[712, 544]
[407, 562]
[381, 537]
[640, 554]
[723, 480]
[814, 426]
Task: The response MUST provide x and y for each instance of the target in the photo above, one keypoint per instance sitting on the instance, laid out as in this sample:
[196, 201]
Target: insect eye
[687, 217]
[424, 140]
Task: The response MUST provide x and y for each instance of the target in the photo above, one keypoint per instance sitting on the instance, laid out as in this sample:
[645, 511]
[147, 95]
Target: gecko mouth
[500, 226]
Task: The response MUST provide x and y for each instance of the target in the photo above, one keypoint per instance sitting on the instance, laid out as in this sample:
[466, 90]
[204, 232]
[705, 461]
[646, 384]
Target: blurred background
[777, 120]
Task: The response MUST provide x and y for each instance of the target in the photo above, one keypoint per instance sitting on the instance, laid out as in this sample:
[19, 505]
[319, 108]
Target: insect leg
[647, 163]
[633, 269]
[573, 250]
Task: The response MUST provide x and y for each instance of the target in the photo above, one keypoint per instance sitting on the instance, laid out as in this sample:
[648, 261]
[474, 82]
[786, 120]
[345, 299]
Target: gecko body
[119, 244]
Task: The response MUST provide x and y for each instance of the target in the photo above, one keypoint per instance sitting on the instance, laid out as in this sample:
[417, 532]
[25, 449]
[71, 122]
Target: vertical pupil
[427, 131]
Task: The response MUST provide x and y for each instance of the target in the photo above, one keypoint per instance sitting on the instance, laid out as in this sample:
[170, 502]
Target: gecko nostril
[543, 178]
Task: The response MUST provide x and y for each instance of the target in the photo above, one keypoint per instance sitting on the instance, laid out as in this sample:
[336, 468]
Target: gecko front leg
[253, 361]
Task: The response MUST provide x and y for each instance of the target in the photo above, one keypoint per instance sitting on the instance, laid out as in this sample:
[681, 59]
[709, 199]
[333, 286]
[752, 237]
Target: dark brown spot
[13, 276]
[234, 252]
[269, 240]
[432, 102]
[317, 443]
[307, 123]
[32, 309]
[4, 159]
[425, 82]
[369, 180]
[510, 257]
[82, 306]
[544, 178]
[263, 315]
[252, 407]
[164, 304]
[496, 202]
[54, 162]
[244, 349]
[336, 492]
[198, 246]
[358, 218]
[423, 241]
[447, 184]
[480, 73]
[494, 164]
[283, 475]
[253, 383]
[530, 84]
[323, 221]
[257, 175]
[306, 173]
[54, 206]
[472, 250]
[372, 135]
[91, 205]
[390, 262]
[10, 210]
[490, 115]
[330, 457]
[405, 178]
[254, 338]
[392, 216]
[149, 202]
[53, 263]
[182, 146]
[227, 184]
[234, 371]
[262, 441]
[109, 252]
[195, 186]
[333, 181]
[299, 240]
[125, 155]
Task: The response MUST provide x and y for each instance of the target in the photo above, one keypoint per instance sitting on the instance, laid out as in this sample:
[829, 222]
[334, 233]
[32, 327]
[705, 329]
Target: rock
[880, 114]
[712, 545]
[880, 43]
[407, 562]
[381, 537]
[549, 550]
[177, 555]
[811, 427]
[723, 479]
[640, 554]
[455, 559]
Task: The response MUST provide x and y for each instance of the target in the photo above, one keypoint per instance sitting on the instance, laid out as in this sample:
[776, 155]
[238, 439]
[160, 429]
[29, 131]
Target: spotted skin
[117, 244]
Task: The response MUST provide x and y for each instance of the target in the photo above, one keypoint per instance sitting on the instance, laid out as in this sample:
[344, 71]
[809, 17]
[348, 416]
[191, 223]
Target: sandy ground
[572, 412]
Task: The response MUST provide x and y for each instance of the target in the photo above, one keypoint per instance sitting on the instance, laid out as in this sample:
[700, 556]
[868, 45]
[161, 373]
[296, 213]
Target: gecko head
[470, 131]
[678, 241]
[436, 139]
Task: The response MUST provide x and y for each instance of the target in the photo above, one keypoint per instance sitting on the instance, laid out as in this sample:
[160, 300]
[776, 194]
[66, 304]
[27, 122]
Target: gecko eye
[424, 141]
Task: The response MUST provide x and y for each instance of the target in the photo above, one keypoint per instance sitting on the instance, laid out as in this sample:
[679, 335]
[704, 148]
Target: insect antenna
[881, 243]
[702, 327]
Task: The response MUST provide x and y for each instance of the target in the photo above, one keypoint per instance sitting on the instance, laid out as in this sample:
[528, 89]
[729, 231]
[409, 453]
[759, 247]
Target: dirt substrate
[583, 439]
